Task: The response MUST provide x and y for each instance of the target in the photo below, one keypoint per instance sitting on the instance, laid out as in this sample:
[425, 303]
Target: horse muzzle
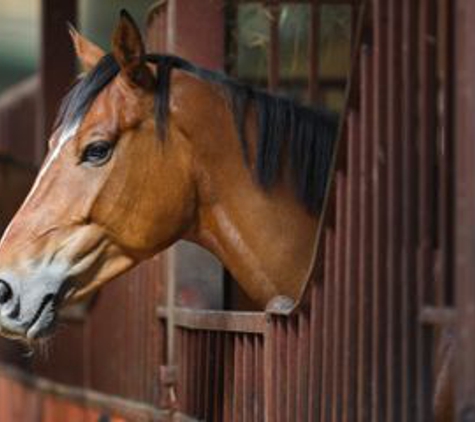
[29, 316]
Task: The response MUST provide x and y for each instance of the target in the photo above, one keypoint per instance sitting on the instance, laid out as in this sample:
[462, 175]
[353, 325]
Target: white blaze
[67, 134]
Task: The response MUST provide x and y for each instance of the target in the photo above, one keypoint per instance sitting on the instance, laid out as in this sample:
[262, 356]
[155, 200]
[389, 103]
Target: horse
[149, 149]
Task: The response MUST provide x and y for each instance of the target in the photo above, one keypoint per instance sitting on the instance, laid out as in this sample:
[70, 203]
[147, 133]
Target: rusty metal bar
[438, 316]
[259, 399]
[426, 195]
[273, 69]
[394, 201]
[328, 323]
[314, 49]
[338, 310]
[409, 208]
[350, 291]
[305, 365]
[249, 369]
[379, 231]
[238, 379]
[316, 349]
[363, 389]
[228, 377]
[445, 155]
[292, 365]
[281, 403]
[465, 207]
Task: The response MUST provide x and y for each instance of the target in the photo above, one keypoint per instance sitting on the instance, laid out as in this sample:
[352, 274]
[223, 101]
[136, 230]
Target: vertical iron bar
[465, 207]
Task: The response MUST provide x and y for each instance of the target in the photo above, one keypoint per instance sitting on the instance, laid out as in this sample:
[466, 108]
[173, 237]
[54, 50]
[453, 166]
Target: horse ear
[129, 51]
[87, 52]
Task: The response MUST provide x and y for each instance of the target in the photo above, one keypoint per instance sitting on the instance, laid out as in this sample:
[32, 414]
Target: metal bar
[210, 356]
[394, 201]
[304, 367]
[363, 389]
[316, 328]
[270, 383]
[238, 379]
[465, 207]
[314, 50]
[426, 195]
[438, 316]
[350, 291]
[228, 378]
[248, 381]
[259, 399]
[339, 280]
[281, 403]
[328, 322]
[292, 366]
[445, 150]
[273, 69]
[379, 243]
[226, 321]
[409, 210]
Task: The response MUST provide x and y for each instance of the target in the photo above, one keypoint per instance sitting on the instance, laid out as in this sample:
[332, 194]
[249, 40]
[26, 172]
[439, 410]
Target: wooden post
[57, 65]
[195, 31]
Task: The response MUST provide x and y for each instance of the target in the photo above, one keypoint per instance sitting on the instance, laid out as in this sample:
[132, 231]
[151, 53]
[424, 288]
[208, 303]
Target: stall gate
[359, 345]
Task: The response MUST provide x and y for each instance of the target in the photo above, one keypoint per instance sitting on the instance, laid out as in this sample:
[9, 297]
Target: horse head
[107, 196]
[149, 149]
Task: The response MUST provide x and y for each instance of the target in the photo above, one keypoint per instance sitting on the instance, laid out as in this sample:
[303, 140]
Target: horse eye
[97, 153]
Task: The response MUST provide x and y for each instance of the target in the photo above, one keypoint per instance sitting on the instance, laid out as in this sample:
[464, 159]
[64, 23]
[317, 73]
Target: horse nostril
[5, 292]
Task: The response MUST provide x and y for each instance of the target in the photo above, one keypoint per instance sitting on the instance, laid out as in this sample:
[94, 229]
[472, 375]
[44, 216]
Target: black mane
[306, 135]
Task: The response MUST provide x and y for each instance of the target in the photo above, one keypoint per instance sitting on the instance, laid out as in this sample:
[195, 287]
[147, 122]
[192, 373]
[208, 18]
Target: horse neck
[263, 238]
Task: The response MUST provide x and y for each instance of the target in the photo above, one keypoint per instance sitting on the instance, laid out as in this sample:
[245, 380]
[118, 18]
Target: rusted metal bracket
[168, 384]
[437, 316]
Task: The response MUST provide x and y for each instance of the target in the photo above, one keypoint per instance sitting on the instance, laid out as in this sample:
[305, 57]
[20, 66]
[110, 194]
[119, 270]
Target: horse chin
[44, 322]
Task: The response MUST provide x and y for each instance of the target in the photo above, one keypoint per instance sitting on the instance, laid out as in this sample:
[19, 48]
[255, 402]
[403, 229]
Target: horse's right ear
[87, 52]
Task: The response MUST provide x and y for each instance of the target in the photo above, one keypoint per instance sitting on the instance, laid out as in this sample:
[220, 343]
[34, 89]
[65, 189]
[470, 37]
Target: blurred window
[19, 40]
[313, 46]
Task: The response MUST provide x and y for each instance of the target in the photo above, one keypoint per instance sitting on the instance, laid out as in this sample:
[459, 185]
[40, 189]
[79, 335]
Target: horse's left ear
[129, 51]
[87, 52]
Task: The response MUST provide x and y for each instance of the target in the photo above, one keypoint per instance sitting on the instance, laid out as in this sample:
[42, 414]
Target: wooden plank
[226, 321]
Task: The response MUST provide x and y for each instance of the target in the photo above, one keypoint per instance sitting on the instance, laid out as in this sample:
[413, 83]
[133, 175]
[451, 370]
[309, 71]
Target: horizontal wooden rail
[437, 316]
[226, 321]
[130, 409]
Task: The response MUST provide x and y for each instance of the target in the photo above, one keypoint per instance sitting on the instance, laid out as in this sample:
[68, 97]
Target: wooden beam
[57, 64]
